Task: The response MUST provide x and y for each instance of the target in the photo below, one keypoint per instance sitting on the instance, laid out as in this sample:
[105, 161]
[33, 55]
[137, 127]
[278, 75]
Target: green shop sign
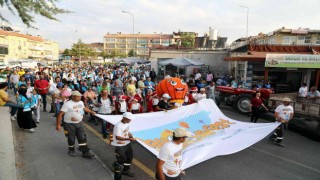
[292, 60]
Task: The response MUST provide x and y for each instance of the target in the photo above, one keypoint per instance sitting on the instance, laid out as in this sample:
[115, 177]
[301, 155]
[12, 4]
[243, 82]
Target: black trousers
[279, 133]
[44, 101]
[124, 154]
[169, 178]
[255, 114]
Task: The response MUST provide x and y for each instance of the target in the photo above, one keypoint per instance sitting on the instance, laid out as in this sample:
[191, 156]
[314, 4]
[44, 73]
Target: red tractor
[240, 98]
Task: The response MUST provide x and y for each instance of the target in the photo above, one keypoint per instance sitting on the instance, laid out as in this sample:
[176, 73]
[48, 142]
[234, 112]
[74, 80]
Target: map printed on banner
[214, 133]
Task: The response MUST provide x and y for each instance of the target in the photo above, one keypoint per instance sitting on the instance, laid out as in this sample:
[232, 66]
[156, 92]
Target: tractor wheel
[242, 103]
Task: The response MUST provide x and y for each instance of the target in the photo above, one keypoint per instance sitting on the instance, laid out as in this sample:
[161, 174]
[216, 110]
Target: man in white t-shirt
[170, 156]
[303, 91]
[121, 140]
[73, 112]
[283, 113]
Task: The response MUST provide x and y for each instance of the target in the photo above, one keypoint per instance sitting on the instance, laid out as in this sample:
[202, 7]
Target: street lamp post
[79, 51]
[246, 62]
[132, 29]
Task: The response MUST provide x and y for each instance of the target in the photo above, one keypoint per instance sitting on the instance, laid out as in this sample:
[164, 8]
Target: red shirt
[256, 102]
[42, 86]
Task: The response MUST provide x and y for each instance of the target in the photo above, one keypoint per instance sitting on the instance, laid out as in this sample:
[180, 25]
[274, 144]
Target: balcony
[37, 48]
[36, 56]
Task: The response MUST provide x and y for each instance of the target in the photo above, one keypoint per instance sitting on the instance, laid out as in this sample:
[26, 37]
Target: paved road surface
[299, 160]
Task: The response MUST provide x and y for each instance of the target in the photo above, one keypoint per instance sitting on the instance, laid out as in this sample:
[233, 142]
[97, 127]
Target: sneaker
[31, 130]
[281, 144]
[128, 173]
[105, 136]
[12, 118]
[87, 155]
[72, 153]
[38, 122]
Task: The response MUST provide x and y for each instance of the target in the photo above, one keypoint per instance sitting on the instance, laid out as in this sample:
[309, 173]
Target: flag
[214, 133]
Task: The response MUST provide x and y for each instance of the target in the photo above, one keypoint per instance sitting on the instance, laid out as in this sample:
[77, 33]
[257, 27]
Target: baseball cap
[128, 115]
[166, 96]
[60, 84]
[202, 89]
[181, 132]
[76, 93]
[286, 99]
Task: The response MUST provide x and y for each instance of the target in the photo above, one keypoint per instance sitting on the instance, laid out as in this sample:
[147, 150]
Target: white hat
[286, 99]
[128, 115]
[76, 93]
[202, 89]
[181, 132]
[166, 96]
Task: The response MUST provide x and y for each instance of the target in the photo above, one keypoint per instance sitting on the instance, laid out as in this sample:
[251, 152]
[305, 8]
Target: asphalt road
[300, 159]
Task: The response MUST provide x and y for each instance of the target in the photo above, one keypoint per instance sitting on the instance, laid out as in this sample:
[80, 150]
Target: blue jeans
[14, 108]
[58, 108]
[104, 127]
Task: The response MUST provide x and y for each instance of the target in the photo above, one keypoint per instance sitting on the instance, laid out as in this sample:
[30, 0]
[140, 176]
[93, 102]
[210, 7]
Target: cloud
[93, 19]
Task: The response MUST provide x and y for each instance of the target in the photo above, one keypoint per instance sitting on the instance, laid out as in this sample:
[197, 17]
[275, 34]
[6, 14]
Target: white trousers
[36, 113]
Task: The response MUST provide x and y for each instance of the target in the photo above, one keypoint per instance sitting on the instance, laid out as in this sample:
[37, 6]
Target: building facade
[15, 46]
[250, 59]
[139, 43]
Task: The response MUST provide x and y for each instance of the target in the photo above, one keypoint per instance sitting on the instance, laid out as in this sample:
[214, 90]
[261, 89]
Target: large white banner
[215, 134]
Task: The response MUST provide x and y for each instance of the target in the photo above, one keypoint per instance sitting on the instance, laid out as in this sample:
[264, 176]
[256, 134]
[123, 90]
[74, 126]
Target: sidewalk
[7, 156]
[43, 155]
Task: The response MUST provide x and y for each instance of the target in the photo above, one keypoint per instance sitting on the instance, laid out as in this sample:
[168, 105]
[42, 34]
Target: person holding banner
[283, 113]
[121, 140]
[170, 156]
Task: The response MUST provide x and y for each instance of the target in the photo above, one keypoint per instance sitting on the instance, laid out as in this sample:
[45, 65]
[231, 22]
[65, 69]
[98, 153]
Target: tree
[117, 53]
[67, 52]
[132, 53]
[187, 39]
[80, 49]
[27, 8]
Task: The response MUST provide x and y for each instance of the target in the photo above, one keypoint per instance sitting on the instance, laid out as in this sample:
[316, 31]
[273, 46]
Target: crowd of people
[111, 89]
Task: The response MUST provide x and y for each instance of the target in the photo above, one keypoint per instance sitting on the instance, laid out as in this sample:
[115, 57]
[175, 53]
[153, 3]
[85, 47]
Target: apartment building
[140, 43]
[16, 46]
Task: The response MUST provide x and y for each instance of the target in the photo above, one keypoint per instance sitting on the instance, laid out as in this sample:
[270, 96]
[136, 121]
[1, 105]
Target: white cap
[286, 99]
[128, 115]
[181, 132]
[76, 93]
[202, 89]
[166, 96]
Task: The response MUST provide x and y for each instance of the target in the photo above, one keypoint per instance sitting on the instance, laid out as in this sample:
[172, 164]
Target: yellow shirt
[3, 94]
[131, 88]
[21, 73]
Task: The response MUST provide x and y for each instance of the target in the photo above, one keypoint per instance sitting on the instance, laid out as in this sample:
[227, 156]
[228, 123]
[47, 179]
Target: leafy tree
[132, 53]
[187, 39]
[26, 9]
[80, 49]
[117, 53]
[104, 55]
[67, 52]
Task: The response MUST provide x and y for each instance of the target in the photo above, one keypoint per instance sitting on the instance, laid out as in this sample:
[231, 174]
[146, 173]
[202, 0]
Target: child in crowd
[121, 105]
[36, 100]
[135, 106]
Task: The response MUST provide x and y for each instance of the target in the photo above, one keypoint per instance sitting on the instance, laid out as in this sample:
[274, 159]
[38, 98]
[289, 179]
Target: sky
[92, 19]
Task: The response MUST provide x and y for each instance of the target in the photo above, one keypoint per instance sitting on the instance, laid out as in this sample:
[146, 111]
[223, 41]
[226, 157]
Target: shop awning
[181, 61]
[257, 56]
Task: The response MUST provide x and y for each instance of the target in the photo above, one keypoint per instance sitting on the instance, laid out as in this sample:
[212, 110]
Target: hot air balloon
[184, 124]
